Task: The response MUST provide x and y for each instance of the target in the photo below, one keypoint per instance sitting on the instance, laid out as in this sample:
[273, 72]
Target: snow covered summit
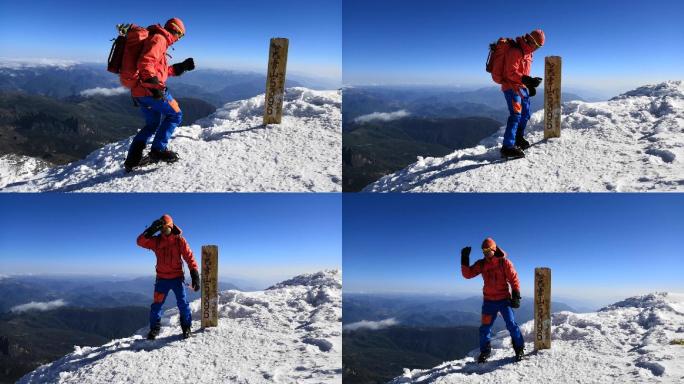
[289, 333]
[228, 151]
[633, 142]
[638, 340]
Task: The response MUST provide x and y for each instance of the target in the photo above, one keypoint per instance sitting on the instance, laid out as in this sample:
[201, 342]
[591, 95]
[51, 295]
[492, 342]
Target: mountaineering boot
[154, 332]
[519, 353]
[521, 143]
[186, 331]
[483, 357]
[135, 154]
[513, 152]
[166, 155]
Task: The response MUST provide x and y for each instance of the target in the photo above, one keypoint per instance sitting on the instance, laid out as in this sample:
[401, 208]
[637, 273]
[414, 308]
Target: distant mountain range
[371, 357]
[90, 292]
[89, 311]
[375, 148]
[30, 339]
[64, 130]
[438, 102]
[426, 330]
[386, 128]
[61, 113]
[428, 311]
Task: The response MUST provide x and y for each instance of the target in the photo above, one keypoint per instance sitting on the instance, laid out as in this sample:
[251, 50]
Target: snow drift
[228, 151]
[633, 142]
[634, 341]
[289, 333]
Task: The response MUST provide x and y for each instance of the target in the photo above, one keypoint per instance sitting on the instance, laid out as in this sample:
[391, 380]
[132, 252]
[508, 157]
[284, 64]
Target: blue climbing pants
[161, 289]
[490, 309]
[519, 114]
[161, 117]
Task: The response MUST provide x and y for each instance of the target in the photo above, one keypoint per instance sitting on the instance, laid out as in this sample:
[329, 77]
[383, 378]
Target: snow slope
[14, 168]
[627, 342]
[633, 142]
[228, 151]
[289, 333]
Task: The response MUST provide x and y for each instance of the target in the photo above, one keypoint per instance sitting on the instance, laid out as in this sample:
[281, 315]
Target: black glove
[465, 256]
[515, 300]
[155, 87]
[531, 82]
[186, 65]
[195, 279]
[531, 91]
[153, 228]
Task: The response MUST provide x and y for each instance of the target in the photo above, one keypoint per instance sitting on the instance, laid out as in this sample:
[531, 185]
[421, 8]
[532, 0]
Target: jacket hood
[526, 48]
[498, 254]
[174, 231]
[157, 29]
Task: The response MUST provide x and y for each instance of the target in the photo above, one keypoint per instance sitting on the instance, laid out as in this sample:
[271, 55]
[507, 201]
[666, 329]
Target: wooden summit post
[552, 96]
[209, 286]
[542, 308]
[275, 80]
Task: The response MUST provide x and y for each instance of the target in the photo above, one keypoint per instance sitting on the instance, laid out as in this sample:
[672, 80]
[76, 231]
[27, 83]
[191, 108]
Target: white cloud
[20, 63]
[38, 306]
[382, 116]
[373, 325]
[99, 91]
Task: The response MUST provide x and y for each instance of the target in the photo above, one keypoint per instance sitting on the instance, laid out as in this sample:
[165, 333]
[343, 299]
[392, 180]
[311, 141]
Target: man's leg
[172, 118]
[152, 121]
[182, 302]
[489, 312]
[161, 289]
[524, 117]
[515, 107]
[511, 325]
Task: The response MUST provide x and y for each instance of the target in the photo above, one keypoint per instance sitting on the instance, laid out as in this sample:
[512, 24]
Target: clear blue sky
[600, 247]
[230, 34]
[262, 237]
[605, 44]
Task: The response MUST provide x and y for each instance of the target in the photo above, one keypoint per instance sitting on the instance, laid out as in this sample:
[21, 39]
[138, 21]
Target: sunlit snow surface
[289, 333]
[633, 142]
[627, 342]
[228, 151]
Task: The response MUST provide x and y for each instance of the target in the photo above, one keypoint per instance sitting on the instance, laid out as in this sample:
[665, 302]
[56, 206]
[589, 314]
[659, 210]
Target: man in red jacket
[498, 272]
[161, 110]
[169, 247]
[518, 87]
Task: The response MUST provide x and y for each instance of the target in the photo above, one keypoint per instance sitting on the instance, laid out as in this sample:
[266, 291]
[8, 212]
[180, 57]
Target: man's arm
[466, 270]
[511, 275]
[187, 255]
[146, 242]
[146, 239]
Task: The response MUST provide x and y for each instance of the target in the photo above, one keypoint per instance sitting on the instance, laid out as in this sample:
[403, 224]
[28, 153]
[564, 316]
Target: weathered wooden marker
[552, 96]
[542, 308]
[275, 80]
[209, 286]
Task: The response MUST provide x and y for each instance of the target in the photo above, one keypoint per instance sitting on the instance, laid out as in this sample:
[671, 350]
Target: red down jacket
[152, 60]
[169, 250]
[518, 63]
[497, 272]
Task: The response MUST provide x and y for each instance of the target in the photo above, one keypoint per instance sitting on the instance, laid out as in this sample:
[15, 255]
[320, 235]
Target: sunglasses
[487, 250]
[177, 31]
[531, 38]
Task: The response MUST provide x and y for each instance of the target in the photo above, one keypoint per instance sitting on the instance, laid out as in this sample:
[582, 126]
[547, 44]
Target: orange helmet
[175, 26]
[168, 221]
[537, 37]
[488, 243]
